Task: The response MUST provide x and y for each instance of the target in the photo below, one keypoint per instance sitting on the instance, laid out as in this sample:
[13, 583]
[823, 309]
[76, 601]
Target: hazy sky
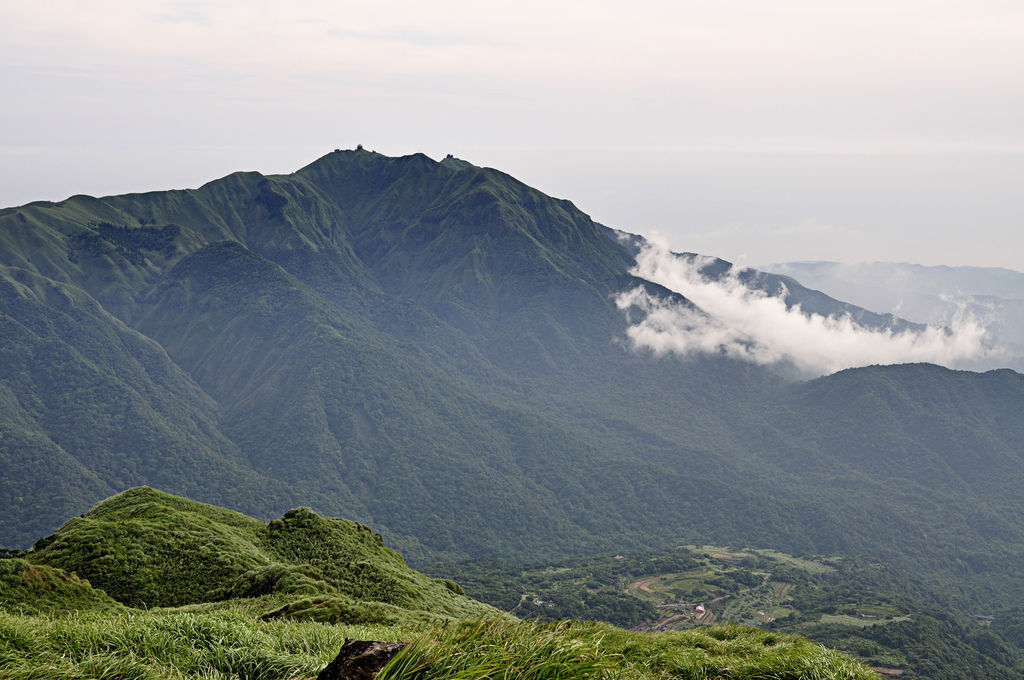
[758, 131]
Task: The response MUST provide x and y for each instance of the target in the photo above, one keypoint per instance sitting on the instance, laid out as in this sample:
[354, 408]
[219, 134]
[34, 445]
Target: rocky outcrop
[360, 660]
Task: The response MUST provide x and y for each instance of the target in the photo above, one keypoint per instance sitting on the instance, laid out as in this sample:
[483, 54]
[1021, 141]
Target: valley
[884, 618]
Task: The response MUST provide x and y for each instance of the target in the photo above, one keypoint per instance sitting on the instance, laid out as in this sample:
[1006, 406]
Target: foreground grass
[144, 645]
[230, 644]
[489, 649]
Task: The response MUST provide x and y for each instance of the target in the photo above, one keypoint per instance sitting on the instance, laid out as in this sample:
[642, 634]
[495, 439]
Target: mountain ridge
[433, 348]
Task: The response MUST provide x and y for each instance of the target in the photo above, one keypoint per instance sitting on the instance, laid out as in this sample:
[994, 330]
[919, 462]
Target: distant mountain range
[434, 349]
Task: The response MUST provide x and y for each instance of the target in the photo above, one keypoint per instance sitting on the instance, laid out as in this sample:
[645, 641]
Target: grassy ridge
[146, 548]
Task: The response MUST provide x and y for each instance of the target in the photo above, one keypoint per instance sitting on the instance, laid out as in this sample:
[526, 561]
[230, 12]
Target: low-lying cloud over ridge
[731, 319]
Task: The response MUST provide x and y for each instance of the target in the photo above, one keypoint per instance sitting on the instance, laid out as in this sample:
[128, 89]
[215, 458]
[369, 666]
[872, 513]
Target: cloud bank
[730, 319]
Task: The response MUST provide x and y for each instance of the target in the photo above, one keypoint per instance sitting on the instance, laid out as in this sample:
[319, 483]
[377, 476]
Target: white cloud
[733, 320]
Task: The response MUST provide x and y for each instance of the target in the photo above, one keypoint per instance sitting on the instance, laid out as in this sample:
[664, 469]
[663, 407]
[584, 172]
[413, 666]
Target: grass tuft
[497, 648]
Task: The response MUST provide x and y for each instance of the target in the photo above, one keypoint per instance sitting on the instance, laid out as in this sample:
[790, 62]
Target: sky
[758, 131]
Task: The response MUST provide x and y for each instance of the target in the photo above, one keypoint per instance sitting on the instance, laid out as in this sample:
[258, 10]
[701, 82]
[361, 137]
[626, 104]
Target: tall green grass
[147, 645]
[498, 648]
[731, 652]
[226, 643]
[490, 649]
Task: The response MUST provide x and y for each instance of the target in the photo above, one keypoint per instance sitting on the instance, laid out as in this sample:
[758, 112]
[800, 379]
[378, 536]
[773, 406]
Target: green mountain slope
[385, 379]
[93, 406]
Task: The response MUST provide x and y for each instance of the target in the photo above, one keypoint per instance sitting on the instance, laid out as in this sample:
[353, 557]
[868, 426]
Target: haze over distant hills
[472, 368]
[941, 296]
